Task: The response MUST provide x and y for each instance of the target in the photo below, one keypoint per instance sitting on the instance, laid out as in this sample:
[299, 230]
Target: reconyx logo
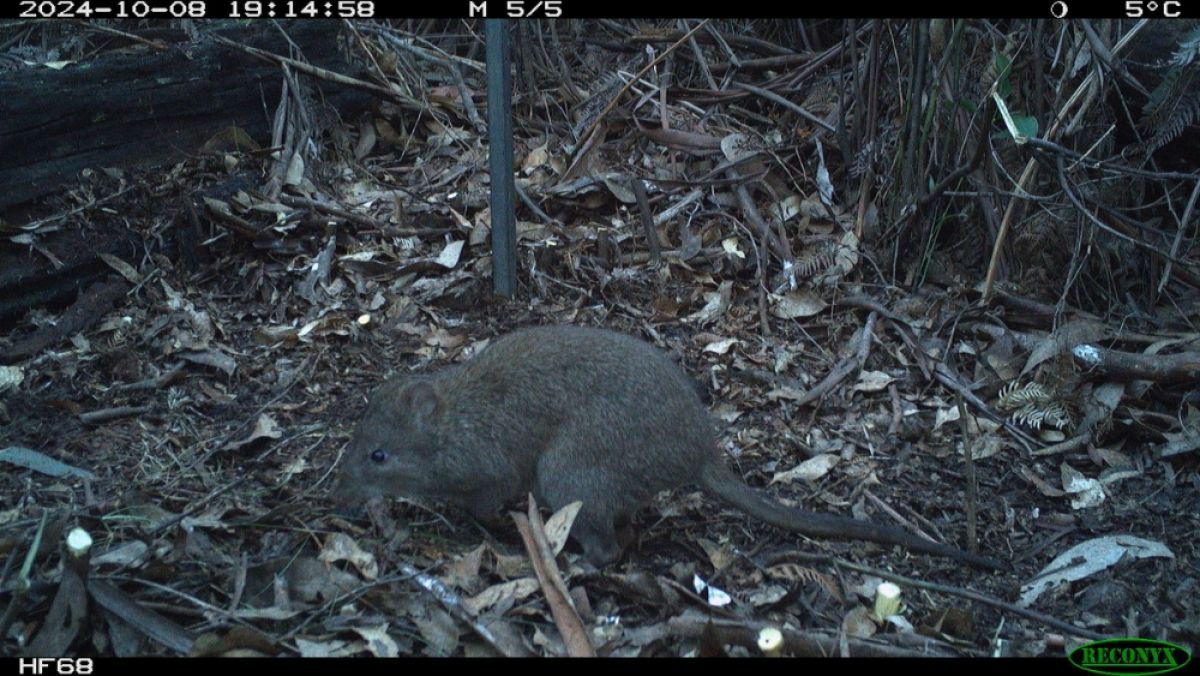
[1129, 657]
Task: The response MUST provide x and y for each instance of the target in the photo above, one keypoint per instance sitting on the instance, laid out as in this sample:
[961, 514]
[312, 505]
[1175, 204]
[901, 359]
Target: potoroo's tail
[721, 480]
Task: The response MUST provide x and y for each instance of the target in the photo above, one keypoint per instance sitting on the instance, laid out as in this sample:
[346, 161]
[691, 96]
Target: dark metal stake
[500, 158]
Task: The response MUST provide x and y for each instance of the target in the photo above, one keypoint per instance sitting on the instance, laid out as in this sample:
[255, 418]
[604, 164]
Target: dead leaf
[449, 256]
[366, 139]
[272, 335]
[730, 245]
[342, 547]
[536, 158]
[463, 572]
[237, 641]
[294, 466]
[945, 415]
[824, 185]
[1088, 558]
[442, 338]
[10, 377]
[1042, 485]
[331, 648]
[726, 412]
[230, 139]
[308, 580]
[379, 643]
[619, 186]
[440, 631]
[1177, 444]
[721, 346]
[810, 470]
[265, 427]
[985, 446]
[717, 303]
[738, 146]
[558, 526]
[295, 170]
[1066, 337]
[786, 392]
[212, 358]
[41, 463]
[124, 269]
[512, 591]
[1085, 491]
[873, 381]
[858, 623]
[129, 553]
[798, 303]
[715, 596]
[1002, 358]
[845, 259]
[147, 621]
[61, 624]
[786, 208]
[720, 555]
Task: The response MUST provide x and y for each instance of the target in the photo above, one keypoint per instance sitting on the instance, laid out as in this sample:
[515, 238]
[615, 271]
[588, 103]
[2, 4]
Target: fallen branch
[1181, 367]
[848, 365]
[88, 309]
[904, 581]
[693, 625]
[541, 556]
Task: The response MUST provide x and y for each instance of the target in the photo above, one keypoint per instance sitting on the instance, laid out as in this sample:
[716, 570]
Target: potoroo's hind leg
[562, 478]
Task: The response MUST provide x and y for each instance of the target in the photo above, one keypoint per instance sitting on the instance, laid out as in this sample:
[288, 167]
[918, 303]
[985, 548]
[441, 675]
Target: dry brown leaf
[873, 381]
[342, 547]
[810, 470]
[512, 591]
[265, 427]
[796, 304]
[558, 526]
[378, 643]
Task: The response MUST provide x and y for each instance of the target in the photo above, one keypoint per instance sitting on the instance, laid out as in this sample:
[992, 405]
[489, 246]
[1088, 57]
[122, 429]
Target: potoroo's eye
[378, 456]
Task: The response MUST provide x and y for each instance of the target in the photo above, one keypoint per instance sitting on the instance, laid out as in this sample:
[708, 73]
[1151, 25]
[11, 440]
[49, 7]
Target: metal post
[500, 157]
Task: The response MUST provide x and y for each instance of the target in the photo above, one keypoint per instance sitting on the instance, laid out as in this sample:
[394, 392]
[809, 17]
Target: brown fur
[567, 413]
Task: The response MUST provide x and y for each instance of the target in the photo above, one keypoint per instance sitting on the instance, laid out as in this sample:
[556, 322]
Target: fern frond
[1189, 48]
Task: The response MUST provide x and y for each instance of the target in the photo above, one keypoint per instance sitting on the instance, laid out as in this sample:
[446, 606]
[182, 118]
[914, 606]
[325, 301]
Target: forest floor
[194, 430]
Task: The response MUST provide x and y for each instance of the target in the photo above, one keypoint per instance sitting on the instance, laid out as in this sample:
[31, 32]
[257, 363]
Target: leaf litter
[256, 363]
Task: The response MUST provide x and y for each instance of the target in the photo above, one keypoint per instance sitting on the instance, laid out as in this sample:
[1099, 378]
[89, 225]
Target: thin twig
[1187, 216]
[647, 218]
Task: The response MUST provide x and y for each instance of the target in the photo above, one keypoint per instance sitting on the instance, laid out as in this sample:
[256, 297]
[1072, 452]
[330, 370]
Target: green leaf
[1027, 125]
[1003, 68]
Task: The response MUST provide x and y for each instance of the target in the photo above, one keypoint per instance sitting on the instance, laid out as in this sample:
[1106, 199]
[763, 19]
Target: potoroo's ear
[422, 401]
